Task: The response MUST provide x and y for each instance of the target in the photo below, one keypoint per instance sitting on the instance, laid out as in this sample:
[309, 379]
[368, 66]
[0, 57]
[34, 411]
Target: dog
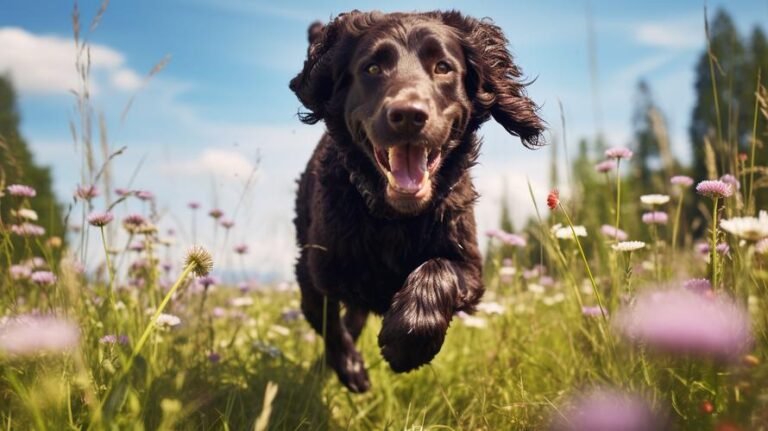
[384, 210]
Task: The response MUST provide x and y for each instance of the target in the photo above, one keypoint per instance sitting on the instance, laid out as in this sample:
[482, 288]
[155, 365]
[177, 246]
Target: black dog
[385, 217]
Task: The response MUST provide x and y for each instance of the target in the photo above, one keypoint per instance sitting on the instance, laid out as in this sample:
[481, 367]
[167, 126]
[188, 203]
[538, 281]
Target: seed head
[201, 259]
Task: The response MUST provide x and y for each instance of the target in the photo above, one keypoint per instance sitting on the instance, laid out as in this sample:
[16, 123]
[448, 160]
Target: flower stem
[713, 246]
[111, 270]
[618, 197]
[677, 222]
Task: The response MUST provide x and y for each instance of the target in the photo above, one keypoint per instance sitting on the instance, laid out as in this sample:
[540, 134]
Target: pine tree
[17, 166]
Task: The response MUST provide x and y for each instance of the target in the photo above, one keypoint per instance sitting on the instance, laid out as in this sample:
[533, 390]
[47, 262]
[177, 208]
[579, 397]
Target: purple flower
[207, 281]
[193, 205]
[605, 166]
[681, 180]
[216, 213]
[603, 409]
[612, 232]
[214, 357]
[136, 246]
[682, 322]
[655, 217]
[703, 248]
[21, 190]
[43, 278]
[714, 189]
[218, 312]
[618, 153]
[86, 192]
[27, 229]
[145, 195]
[122, 192]
[730, 179]
[114, 339]
[290, 315]
[99, 218]
[701, 286]
[28, 335]
[20, 272]
[134, 222]
[513, 239]
[228, 223]
[241, 249]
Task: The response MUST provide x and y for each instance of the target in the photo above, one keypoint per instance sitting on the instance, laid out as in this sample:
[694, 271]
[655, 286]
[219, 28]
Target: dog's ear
[494, 81]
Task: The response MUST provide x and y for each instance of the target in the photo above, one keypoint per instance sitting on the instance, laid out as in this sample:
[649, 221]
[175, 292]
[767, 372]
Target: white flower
[243, 301]
[654, 199]
[535, 288]
[628, 246]
[472, 321]
[762, 246]
[565, 232]
[491, 308]
[26, 214]
[167, 320]
[751, 228]
[507, 271]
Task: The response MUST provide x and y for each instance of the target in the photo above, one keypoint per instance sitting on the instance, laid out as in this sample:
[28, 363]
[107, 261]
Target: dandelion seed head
[201, 259]
[714, 189]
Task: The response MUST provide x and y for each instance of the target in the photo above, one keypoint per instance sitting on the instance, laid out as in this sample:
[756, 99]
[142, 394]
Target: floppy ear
[494, 80]
[314, 84]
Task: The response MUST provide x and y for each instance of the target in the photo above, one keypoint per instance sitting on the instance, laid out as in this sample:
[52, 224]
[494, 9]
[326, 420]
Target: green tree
[17, 166]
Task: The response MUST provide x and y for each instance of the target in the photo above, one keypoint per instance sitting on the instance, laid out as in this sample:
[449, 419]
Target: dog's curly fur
[415, 268]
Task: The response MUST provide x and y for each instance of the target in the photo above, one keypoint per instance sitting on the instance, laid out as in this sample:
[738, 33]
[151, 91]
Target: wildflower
[618, 153]
[243, 301]
[20, 272]
[43, 278]
[241, 249]
[134, 222]
[27, 229]
[21, 190]
[193, 205]
[612, 232]
[605, 166]
[25, 213]
[137, 246]
[36, 263]
[114, 339]
[680, 321]
[546, 281]
[216, 213]
[704, 249]
[761, 247]
[714, 189]
[207, 281]
[681, 180]
[698, 285]
[122, 192]
[750, 228]
[214, 357]
[536, 288]
[471, 321]
[100, 219]
[55, 242]
[655, 217]
[553, 199]
[491, 308]
[565, 232]
[27, 335]
[86, 192]
[228, 223]
[218, 312]
[200, 259]
[654, 199]
[165, 320]
[730, 179]
[629, 246]
[513, 239]
[145, 195]
[592, 311]
[607, 410]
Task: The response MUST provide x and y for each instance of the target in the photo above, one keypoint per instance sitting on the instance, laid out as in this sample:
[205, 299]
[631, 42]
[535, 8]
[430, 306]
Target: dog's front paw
[350, 369]
[413, 330]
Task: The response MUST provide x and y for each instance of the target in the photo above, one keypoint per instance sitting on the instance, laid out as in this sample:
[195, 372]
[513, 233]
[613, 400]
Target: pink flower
[606, 410]
[21, 190]
[27, 335]
[618, 153]
[730, 179]
[193, 205]
[27, 229]
[145, 195]
[553, 199]
[605, 166]
[86, 192]
[228, 223]
[100, 219]
[701, 286]
[683, 322]
[241, 249]
[133, 222]
[681, 180]
[612, 232]
[655, 217]
[20, 272]
[714, 189]
[122, 192]
[43, 278]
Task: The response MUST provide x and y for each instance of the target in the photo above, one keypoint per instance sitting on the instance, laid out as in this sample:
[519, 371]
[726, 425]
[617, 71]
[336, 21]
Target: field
[619, 306]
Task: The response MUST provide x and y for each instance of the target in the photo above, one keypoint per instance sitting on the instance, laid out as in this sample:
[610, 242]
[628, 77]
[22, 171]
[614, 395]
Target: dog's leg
[340, 352]
[414, 328]
[354, 320]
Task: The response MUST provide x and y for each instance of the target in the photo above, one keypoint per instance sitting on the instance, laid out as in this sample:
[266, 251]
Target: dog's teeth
[424, 160]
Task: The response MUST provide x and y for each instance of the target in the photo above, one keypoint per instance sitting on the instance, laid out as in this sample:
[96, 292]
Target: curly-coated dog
[385, 218]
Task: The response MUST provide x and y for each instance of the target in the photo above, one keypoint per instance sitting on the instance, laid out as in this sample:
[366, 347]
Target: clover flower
[605, 166]
[27, 229]
[166, 320]
[714, 189]
[698, 285]
[655, 217]
[681, 180]
[216, 213]
[565, 232]
[43, 278]
[21, 190]
[730, 179]
[612, 232]
[20, 272]
[241, 249]
[618, 153]
[227, 223]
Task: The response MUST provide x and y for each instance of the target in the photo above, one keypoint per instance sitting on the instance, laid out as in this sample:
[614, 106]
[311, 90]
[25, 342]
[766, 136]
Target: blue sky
[222, 103]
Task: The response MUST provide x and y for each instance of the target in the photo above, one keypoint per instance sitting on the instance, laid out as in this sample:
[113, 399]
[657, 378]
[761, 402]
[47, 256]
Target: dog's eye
[442, 68]
[373, 69]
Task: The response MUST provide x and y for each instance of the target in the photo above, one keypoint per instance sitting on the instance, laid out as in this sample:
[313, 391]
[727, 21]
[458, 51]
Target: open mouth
[408, 167]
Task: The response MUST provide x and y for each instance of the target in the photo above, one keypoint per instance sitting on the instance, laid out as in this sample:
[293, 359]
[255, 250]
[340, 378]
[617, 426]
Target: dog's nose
[407, 116]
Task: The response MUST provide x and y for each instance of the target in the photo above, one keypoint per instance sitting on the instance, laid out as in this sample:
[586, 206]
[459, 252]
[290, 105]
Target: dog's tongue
[409, 165]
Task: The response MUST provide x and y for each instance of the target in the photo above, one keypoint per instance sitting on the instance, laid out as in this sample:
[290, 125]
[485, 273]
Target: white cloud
[221, 163]
[684, 33]
[44, 64]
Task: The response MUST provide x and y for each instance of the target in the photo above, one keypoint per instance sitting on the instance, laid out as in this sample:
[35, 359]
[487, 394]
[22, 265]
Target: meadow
[611, 309]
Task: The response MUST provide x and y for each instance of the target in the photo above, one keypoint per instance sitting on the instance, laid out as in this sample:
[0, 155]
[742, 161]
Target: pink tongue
[407, 163]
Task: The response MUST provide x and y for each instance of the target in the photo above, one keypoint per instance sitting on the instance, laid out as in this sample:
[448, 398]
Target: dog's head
[406, 89]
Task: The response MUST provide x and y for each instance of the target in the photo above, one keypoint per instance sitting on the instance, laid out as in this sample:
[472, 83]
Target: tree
[17, 166]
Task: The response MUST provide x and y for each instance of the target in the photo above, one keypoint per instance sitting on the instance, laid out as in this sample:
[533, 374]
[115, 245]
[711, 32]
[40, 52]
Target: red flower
[707, 407]
[553, 199]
